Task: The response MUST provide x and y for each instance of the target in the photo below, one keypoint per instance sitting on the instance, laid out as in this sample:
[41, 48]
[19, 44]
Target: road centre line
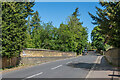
[56, 67]
[46, 63]
[68, 62]
[60, 60]
[35, 75]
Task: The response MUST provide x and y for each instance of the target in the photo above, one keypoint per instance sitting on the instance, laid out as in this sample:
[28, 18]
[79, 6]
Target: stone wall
[113, 56]
[38, 60]
[37, 56]
[45, 53]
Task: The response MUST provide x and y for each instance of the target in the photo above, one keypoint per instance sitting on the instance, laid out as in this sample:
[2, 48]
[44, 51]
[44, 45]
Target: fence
[10, 62]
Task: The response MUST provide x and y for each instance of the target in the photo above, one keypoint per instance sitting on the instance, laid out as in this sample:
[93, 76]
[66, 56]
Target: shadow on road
[104, 65]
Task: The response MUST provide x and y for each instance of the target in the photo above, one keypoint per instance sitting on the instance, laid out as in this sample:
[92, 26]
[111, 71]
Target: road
[78, 67]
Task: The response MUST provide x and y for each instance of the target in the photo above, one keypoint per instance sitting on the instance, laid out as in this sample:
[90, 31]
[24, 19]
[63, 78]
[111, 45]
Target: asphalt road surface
[78, 67]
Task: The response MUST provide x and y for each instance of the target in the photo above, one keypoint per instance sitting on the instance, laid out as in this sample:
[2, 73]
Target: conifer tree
[72, 36]
[108, 19]
[14, 16]
[35, 23]
[29, 42]
[97, 39]
[79, 32]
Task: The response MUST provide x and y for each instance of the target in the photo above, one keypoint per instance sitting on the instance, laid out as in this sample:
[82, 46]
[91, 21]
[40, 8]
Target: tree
[97, 39]
[29, 41]
[108, 20]
[79, 32]
[29, 27]
[35, 36]
[47, 35]
[68, 37]
[72, 36]
[0, 28]
[89, 47]
[64, 38]
[14, 16]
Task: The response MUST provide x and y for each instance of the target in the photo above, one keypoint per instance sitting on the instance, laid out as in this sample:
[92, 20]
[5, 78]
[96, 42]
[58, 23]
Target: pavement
[91, 66]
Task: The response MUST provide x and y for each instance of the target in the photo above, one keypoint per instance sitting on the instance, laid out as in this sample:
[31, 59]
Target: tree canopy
[108, 20]
[71, 36]
[14, 16]
[23, 28]
[97, 39]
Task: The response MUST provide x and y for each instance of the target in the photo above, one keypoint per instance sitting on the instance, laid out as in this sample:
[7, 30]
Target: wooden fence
[10, 62]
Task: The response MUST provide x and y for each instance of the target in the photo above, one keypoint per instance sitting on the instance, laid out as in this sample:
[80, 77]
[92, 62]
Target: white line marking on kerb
[97, 61]
[56, 67]
[35, 75]
[68, 62]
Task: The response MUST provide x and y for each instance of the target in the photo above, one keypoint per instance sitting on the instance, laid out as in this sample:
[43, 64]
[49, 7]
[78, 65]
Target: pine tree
[29, 43]
[79, 32]
[14, 16]
[0, 28]
[29, 27]
[97, 39]
[108, 20]
[35, 36]
[72, 36]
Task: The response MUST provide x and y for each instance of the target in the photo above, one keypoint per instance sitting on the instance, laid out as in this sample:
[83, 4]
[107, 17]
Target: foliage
[97, 39]
[19, 30]
[35, 26]
[68, 37]
[14, 16]
[108, 19]
[79, 33]
[89, 46]
[0, 28]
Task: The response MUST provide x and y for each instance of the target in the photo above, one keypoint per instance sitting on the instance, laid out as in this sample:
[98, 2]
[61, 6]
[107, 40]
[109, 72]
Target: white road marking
[60, 60]
[35, 75]
[68, 62]
[97, 61]
[56, 67]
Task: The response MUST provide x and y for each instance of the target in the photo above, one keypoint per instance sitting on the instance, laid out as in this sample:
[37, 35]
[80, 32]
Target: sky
[58, 12]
